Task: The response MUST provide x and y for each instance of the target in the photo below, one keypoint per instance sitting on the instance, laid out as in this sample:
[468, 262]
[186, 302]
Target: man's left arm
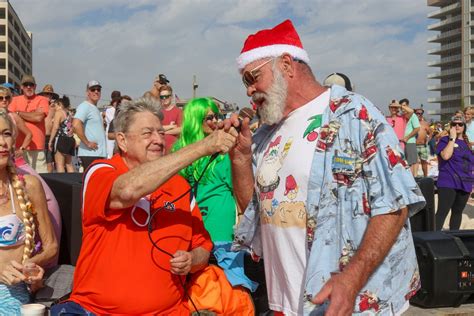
[394, 195]
[342, 288]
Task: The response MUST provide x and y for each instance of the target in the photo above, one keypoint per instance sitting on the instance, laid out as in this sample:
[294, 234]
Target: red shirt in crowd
[173, 115]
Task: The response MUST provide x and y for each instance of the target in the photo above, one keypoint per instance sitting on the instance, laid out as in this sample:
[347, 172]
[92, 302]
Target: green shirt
[216, 201]
[412, 123]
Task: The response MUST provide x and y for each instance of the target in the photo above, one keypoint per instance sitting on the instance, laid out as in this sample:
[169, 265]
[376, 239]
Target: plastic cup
[33, 310]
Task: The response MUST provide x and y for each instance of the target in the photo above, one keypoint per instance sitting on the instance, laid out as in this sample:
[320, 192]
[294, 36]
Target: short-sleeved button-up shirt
[357, 172]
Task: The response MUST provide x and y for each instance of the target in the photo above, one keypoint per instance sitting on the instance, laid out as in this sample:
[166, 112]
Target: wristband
[452, 139]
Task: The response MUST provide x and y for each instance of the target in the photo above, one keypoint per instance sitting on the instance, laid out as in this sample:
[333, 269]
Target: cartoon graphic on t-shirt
[267, 176]
[311, 133]
[291, 213]
[291, 188]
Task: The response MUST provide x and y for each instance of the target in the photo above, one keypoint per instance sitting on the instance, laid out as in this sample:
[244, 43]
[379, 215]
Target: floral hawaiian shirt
[357, 172]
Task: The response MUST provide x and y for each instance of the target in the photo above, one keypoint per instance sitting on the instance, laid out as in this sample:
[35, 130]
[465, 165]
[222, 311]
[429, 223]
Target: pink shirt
[398, 123]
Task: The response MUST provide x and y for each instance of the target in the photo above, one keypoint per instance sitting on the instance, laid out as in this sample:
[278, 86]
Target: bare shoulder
[32, 183]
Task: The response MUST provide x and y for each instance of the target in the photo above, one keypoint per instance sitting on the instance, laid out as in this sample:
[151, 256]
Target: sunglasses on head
[28, 84]
[97, 89]
[460, 124]
[211, 117]
[6, 98]
[249, 77]
[163, 97]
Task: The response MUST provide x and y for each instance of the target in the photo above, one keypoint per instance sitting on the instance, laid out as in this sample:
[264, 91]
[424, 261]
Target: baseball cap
[161, 78]
[93, 83]
[28, 79]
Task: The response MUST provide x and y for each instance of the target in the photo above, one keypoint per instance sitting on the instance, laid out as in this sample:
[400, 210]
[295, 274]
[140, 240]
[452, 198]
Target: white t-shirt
[282, 177]
[109, 116]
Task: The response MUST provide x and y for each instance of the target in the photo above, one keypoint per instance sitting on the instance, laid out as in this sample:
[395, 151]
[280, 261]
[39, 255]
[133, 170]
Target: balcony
[439, 3]
[445, 73]
[443, 36]
[442, 86]
[445, 98]
[446, 10]
[444, 23]
[444, 48]
[448, 110]
[445, 61]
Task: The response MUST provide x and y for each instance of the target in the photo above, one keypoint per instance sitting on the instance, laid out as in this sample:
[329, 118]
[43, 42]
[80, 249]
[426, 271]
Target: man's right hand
[92, 145]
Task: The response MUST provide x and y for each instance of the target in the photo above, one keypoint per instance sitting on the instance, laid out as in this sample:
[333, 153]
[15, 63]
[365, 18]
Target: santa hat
[274, 42]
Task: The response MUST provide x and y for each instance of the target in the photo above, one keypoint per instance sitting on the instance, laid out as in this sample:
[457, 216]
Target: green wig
[191, 131]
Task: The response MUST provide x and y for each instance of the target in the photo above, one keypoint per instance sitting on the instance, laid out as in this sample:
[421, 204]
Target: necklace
[4, 197]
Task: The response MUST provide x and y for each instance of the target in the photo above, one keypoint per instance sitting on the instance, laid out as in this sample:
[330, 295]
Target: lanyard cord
[150, 225]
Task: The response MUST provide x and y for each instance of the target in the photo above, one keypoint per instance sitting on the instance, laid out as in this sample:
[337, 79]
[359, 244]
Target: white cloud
[378, 43]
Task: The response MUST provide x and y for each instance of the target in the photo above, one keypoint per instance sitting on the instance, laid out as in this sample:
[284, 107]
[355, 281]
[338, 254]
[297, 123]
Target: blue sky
[380, 44]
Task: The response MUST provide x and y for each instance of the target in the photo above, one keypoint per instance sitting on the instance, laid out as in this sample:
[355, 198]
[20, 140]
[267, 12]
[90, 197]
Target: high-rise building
[15, 46]
[456, 54]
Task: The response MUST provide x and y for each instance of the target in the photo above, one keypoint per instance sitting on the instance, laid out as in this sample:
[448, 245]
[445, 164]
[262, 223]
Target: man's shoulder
[39, 98]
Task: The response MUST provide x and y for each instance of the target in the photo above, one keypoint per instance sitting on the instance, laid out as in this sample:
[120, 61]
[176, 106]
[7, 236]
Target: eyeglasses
[95, 89]
[6, 98]
[457, 124]
[249, 77]
[28, 84]
[163, 97]
[211, 117]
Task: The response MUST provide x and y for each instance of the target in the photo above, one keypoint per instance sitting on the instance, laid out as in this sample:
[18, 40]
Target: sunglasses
[419, 113]
[28, 84]
[95, 89]
[457, 124]
[211, 117]
[163, 97]
[249, 77]
[6, 98]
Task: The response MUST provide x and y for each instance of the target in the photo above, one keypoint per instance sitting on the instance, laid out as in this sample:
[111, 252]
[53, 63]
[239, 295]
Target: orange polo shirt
[118, 270]
[36, 104]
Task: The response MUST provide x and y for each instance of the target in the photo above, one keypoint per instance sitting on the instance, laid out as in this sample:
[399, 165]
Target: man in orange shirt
[33, 109]
[119, 271]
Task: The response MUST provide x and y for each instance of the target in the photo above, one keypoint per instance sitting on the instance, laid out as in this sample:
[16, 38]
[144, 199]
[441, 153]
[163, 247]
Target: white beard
[274, 100]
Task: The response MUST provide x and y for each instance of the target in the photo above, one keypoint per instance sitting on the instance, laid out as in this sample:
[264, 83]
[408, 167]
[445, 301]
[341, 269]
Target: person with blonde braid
[23, 214]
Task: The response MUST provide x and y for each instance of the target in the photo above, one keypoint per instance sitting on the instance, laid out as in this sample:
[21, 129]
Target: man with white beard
[326, 197]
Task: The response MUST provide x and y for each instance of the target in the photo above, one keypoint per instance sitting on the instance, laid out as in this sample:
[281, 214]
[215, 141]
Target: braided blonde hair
[23, 199]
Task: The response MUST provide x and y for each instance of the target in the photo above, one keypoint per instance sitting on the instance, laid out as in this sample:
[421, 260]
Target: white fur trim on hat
[271, 51]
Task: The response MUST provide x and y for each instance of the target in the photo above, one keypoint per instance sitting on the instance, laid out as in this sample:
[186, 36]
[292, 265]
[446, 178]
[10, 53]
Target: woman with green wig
[214, 192]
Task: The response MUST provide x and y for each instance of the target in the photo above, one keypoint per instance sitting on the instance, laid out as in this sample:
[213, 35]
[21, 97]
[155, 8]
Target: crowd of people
[315, 193]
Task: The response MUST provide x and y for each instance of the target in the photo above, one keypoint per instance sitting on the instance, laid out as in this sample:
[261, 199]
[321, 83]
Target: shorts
[422, 151]
[65, 145]
[48, 153]
[411, 155]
